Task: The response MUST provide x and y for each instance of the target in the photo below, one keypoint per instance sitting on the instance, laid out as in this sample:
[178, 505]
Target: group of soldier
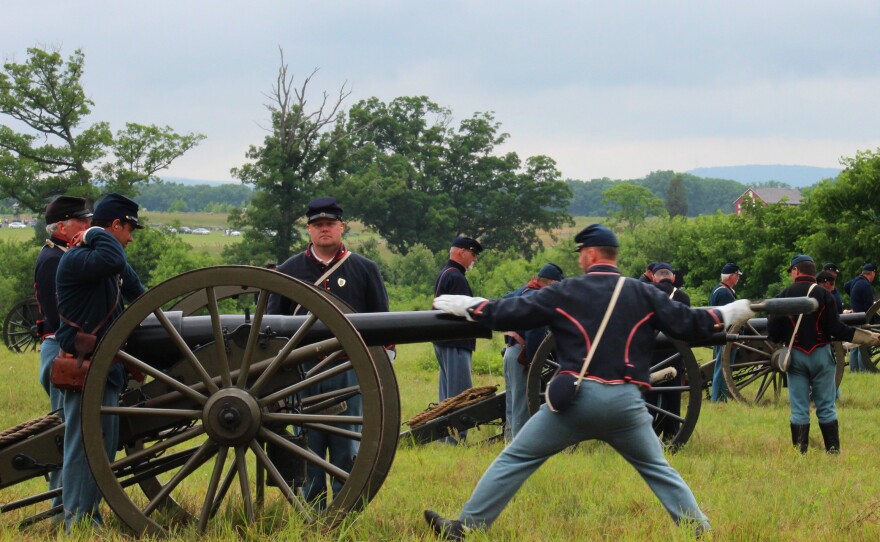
[82, 275]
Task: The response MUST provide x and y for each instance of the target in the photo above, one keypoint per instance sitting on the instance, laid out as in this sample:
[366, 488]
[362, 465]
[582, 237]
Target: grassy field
[739, 463]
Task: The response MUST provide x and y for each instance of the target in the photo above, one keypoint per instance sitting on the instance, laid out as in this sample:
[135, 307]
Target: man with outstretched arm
[608, 405]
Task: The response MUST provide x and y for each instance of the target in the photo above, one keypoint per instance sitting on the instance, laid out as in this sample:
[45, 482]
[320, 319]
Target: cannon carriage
[222, 417]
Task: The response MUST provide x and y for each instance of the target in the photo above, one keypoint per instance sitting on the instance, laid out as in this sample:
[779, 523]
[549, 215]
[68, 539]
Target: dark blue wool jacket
[87, 282]
[574, 308]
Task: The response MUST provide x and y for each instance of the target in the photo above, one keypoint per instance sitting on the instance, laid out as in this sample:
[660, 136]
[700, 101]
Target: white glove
[457, 304]
[863, 336]
[736, 312]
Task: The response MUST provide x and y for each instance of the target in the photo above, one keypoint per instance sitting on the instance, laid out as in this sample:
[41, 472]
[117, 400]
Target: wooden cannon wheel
[224, 419]
[20, 326]
[871, 354]
[751, 366]
[689, 385]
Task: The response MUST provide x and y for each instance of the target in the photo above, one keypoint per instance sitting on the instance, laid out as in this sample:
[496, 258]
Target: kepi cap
[116, 206]
[663, 265]
[325, 207]
[551, 271]
[825, 276]
[466, 242]
[595, 235]
[831, 267]
[730, 268]
[868, 267]
[799, 259]
[67, 207]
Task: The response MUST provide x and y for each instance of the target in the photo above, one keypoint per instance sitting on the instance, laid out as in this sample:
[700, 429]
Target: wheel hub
[231, 417]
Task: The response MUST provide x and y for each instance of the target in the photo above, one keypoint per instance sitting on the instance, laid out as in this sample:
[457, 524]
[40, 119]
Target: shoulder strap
[674, 289]
[103, 320]
[440, 277]
[50, 244]
[599, 333]
[794, 334]
[329, 272]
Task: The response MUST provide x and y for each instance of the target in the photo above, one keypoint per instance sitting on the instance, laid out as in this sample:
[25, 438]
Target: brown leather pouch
[69, 372]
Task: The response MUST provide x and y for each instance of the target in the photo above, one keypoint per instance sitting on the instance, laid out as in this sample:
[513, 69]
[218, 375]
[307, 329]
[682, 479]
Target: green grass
[739, 463]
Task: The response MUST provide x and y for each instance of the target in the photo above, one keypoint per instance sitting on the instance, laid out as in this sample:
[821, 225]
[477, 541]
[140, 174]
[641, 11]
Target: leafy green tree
[416, 179]
[287, 169]
[179, 206]
[633, 204]
[844, 215]
[57, 152]
[676, 198]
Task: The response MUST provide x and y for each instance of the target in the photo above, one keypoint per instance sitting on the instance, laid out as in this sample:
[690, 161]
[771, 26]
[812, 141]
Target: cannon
[222, 389]
[751, 362]
[20, 325]
[225, 410]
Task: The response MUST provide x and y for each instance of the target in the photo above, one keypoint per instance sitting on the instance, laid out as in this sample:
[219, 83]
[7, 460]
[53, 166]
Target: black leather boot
[831, 435]
[800, 436]
[447, 529]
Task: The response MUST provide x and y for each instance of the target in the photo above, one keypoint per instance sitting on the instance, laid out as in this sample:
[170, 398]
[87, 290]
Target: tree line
[411, 172]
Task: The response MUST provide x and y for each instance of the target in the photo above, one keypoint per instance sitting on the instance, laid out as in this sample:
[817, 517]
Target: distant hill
[796, 176]
[197, 182]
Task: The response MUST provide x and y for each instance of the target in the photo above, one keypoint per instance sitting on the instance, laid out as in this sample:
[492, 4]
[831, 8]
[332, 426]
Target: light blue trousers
[340, 451]
[516, 408]
[49, 351]
[856, 365]
[719, 385]
[813, 375]
[455, 370]
[615, 414]
[80, 494]
[455, 377]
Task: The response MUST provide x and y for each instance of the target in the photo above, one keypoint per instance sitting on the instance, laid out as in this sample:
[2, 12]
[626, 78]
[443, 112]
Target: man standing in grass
[454, 357]
[66, 216]
[722, 294]
[608, 405]
[811, 372]
[92, 280]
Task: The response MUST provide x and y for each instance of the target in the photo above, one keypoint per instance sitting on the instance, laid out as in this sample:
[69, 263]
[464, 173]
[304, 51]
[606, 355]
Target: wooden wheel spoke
[758, 351]
[765, 384]
[142, 455]
[292, 498]
[244, 483]
[666, 362]
[202, 454]
[753, 377]
[259, 311]
[187, 352]
[211, 491]
[304, 384]
[664, 412]
[332, 395]
[161, 376]
[299, 419]
[179, 413]
[745, 364]
[219, 341]
[304, 453]
[276, 363]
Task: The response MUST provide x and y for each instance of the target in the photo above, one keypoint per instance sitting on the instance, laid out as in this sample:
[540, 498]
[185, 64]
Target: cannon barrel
[387, 328]
[758, 324]
[150, 340]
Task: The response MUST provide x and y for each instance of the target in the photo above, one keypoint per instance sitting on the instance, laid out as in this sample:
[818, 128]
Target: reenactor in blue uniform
[811, 372]
[667, 426]
[328, 264]
[66, 216]
[93, 279]
[455, 357]
[609, 405]
[722, 294]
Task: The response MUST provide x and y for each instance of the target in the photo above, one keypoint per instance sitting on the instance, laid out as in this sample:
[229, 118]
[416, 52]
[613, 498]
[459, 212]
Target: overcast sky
[607, 89]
